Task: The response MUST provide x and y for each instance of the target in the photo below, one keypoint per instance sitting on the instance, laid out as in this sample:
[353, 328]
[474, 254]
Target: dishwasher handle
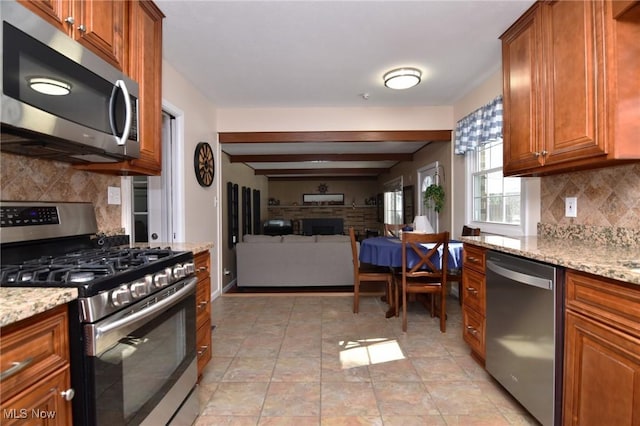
[520, 277]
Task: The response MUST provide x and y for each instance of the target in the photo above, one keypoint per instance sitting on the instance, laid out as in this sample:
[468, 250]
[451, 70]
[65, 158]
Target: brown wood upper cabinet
[570, 77]
[145, 67]
[98, 25]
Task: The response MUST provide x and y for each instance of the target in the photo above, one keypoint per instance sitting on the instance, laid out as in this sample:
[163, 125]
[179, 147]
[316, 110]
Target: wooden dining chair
[425, 276]
[455, 275]
[393, 229]
[365, 272]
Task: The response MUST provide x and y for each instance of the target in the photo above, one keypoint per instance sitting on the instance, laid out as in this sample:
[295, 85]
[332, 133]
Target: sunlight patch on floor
[358, 353]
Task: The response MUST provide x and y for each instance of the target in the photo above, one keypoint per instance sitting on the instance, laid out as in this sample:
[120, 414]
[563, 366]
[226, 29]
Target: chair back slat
[425, 266]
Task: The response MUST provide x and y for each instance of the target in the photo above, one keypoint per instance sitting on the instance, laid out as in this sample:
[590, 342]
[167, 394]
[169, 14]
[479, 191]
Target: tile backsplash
[608, 207]
[30, 179]
[608, 197]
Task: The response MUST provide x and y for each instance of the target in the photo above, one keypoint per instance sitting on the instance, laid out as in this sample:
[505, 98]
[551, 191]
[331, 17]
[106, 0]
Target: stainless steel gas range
[132, 328]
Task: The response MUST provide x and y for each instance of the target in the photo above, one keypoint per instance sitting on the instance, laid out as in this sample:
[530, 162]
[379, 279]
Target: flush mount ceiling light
[49, 86]
[402, 78]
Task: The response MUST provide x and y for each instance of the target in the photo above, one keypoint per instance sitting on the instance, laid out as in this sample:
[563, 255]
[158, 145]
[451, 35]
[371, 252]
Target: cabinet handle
[68, 394]
[202, 268]
[472, 330]
[15, 367]
[82, 28]
[202, 305]
[536, 154]
[472, 291]
[544, 152]
[472, 259]
[69, 20]
[202, 350]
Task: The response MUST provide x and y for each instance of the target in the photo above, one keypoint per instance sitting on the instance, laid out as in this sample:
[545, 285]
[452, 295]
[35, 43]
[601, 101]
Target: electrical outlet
[571, 207]
[113, 195]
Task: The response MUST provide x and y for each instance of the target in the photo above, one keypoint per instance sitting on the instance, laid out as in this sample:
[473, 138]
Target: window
[494, 198]
[393, 211]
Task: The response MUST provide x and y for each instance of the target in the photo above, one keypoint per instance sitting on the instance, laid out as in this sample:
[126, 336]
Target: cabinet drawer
[612, 302]
[202, 263]
[473, 257]
[473, 330]
[203, 345]
[33, 348]
[203, 304]
[473, 290]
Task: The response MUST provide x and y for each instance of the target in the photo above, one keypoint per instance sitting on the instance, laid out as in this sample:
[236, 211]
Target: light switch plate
[113, 195]
[571, 207]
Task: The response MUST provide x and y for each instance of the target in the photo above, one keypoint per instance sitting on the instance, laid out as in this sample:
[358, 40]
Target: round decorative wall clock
[203, 164]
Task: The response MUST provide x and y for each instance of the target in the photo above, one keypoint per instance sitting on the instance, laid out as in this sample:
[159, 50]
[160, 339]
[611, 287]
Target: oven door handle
[96, 337]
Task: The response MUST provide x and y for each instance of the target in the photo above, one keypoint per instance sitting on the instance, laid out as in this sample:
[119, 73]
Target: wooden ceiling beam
[338, 136]
[327, 171]
[289, 158]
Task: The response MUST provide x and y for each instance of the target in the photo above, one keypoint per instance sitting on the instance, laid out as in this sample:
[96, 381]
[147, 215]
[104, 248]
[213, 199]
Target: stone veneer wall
[360, 217]
[30, 179]
[608, 205]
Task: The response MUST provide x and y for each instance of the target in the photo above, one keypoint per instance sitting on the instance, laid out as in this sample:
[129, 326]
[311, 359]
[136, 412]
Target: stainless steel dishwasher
[524, 332]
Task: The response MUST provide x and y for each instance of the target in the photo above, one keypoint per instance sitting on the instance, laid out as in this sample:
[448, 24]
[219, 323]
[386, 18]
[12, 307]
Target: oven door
[141, 364]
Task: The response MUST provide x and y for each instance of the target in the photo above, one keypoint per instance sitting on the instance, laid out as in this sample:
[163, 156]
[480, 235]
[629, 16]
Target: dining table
[387, 251]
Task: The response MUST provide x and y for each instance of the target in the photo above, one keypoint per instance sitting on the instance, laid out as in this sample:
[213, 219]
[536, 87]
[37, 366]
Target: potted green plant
[434, 197]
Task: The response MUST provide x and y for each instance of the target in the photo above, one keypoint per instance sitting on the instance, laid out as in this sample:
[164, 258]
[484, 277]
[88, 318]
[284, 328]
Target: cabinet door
[574, 63]
[602, 374]
[41, 404]
[100, 25]
[523, 80]
[55, 12]
[97, 24]
[146, 69]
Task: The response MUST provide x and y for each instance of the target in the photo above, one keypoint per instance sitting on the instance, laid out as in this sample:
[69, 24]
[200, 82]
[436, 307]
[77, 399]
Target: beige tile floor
[308, 360]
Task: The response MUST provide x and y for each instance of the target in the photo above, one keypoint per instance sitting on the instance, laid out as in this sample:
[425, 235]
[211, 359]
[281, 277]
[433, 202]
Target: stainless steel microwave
[61, 101]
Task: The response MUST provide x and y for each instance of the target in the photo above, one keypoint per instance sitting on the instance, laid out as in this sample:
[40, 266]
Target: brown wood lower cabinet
[34, 358]
[203, 310]
[602, 352]
[474, 300]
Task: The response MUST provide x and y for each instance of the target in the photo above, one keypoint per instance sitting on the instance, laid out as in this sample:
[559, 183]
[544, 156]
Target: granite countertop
[619, 263]
[20, 303]
[196, 248]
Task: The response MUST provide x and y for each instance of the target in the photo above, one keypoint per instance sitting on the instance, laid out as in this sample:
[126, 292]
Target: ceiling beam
[289, 158]
[339, 136]
[327, 171]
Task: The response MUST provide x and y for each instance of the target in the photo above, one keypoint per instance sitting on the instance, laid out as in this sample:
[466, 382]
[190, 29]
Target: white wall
[200, 214]
[333, 119]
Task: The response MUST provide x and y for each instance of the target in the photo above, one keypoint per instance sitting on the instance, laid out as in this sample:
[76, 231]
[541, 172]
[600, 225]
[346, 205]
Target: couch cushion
[298, 238]
[249, 238]
[333, 238]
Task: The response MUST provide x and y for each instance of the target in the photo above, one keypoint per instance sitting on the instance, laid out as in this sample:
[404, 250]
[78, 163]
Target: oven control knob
[121, 296]
[179, 272]
[189, 268]
[140, 288]
[161, 279]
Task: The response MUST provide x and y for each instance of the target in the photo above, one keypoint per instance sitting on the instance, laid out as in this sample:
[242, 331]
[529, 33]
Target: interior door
[426, 176]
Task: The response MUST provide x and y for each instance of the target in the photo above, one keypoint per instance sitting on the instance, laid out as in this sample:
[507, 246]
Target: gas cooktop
[90, 271]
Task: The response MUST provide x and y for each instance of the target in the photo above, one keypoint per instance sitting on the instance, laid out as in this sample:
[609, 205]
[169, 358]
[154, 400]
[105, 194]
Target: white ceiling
[329, 53]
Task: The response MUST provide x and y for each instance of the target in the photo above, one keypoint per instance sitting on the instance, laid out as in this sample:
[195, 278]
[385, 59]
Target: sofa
[294, 261]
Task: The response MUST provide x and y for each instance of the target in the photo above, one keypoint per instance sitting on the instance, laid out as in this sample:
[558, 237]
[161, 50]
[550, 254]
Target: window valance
[480, 127]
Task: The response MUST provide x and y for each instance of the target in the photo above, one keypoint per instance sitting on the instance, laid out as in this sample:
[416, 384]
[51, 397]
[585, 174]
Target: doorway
[153, 196]
[428, 175]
